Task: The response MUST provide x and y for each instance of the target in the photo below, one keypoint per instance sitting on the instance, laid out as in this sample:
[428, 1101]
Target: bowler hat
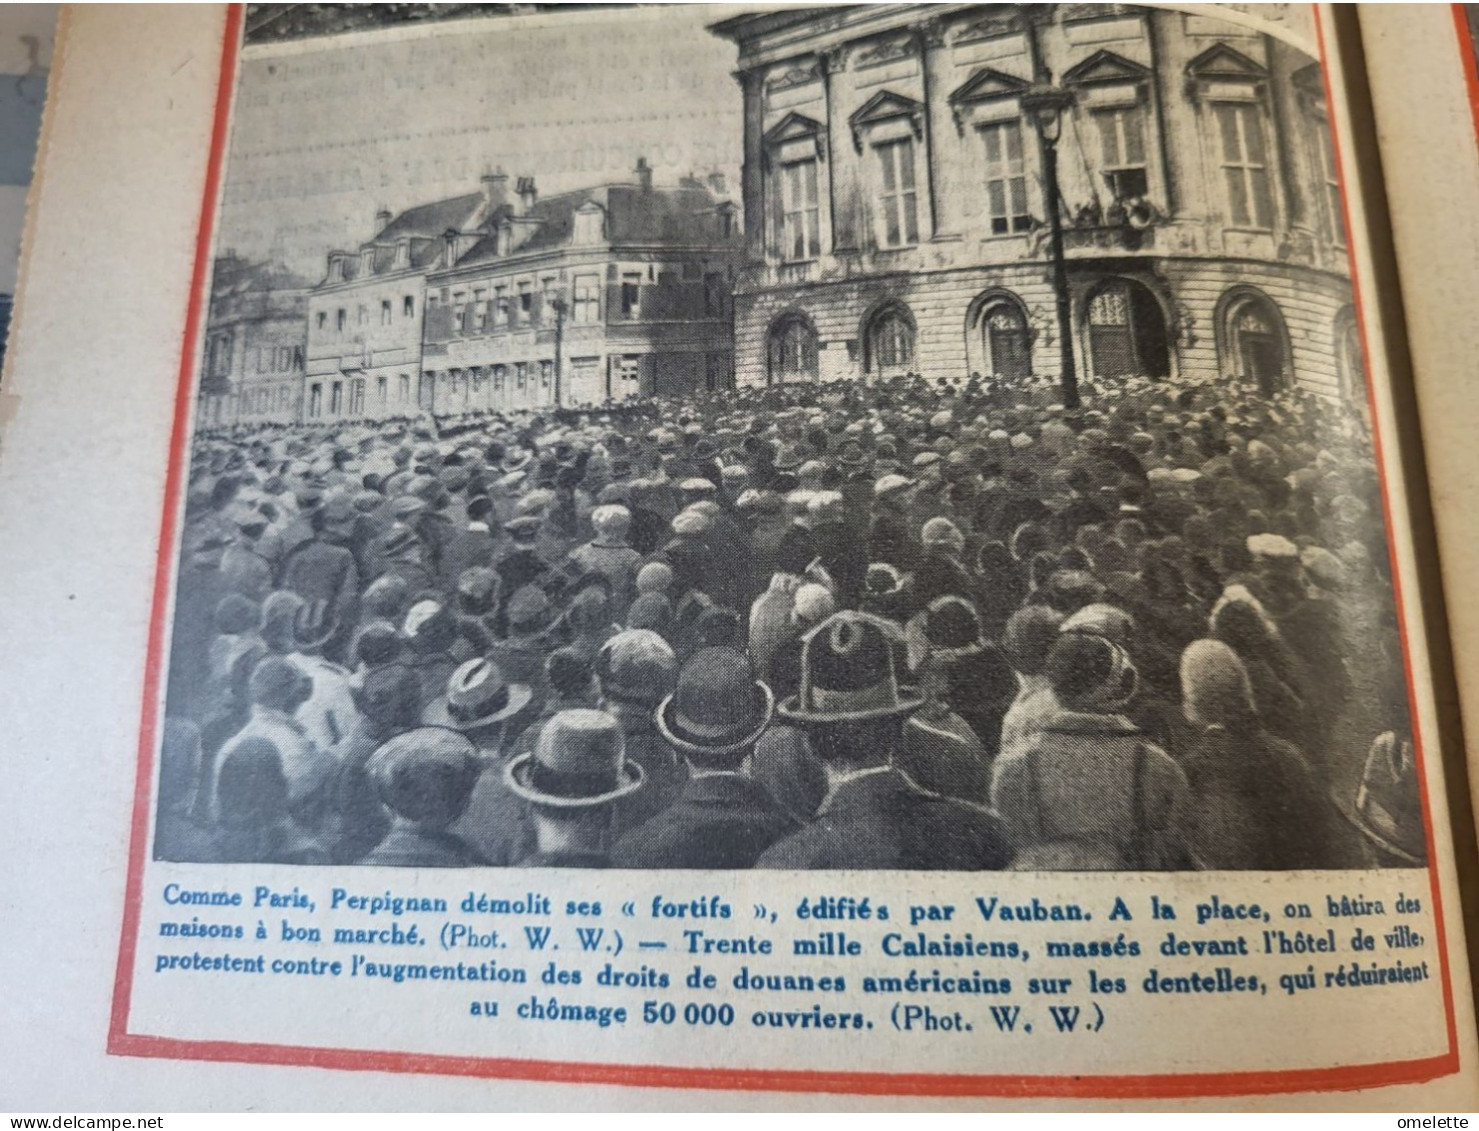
[718, 706]
[579, 761]
[426, 775]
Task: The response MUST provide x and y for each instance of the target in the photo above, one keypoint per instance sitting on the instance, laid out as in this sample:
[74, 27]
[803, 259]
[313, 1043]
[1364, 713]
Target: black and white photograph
[872, 437]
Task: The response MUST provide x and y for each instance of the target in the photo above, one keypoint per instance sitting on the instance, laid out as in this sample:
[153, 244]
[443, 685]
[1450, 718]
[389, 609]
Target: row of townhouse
[501, 299]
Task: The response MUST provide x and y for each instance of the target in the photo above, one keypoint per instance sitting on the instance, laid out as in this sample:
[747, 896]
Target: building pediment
[792, 127]
[886, 106]
[1106, 67]
[1221, 63]
[986, 85]
[796, 136]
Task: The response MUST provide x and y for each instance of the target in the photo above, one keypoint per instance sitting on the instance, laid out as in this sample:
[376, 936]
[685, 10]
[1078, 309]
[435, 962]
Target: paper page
[967, 742]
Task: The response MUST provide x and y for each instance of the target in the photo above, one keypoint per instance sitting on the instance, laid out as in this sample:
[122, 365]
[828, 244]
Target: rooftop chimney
[382, 219]
[495, 189]
[528, 194]
[644, 174]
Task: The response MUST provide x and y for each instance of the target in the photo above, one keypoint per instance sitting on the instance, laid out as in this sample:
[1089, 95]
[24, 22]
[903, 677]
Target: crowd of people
[917, 624]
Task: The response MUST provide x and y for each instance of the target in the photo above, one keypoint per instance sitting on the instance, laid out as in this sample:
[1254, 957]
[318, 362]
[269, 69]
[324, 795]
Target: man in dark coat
[852, 709]
[722, 818]
[523, 565]
[324, 569]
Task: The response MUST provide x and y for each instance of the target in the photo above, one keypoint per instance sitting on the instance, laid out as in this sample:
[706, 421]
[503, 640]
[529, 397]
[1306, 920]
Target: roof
[425, 226]
[680, 217]
[234, 275]
[752, 24]
[431, 220]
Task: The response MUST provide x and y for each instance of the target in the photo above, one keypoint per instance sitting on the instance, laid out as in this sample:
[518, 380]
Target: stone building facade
[252, 370]
[595, 295]
[364, 322]
[896, 218]
[496, 299]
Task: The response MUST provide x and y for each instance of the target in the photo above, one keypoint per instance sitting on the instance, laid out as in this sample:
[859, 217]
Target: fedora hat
[849, 672]
[578, 762]
[718, 706]
[477, 696]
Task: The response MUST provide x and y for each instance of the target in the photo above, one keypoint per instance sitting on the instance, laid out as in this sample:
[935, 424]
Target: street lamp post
[560, 307]
[1045, 105]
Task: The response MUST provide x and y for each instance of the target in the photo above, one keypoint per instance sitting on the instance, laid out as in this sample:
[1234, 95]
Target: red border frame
[1468, 49]
[1169, 1085]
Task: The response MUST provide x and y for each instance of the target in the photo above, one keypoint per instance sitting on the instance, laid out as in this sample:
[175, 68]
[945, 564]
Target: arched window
[890, 342]
[791, 350]
[1004, 337]
[1255, 344]
[1127, 332]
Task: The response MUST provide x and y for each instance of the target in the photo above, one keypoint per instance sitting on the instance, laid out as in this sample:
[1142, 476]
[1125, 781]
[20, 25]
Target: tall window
[357, 397]
[408, 307]
[1122, 150]
[404, 388]
[459, 311]
[364, 315]
[1127, 332]
[631, 296]
[800, 214]
[1244, 164]
[521, 374]
[382, 389]
[341, 320]
[385, 312]
[546, 373]
[501, 307]
[792, 352]
[587, 306]
[336, 398]
[526, 302]
[714, 294]
[890, 341]
[1006, 178]
[1334, 205]
[323, 319]
[898, 204]
[479, 309]
[1255, 339]
[1007, 341]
